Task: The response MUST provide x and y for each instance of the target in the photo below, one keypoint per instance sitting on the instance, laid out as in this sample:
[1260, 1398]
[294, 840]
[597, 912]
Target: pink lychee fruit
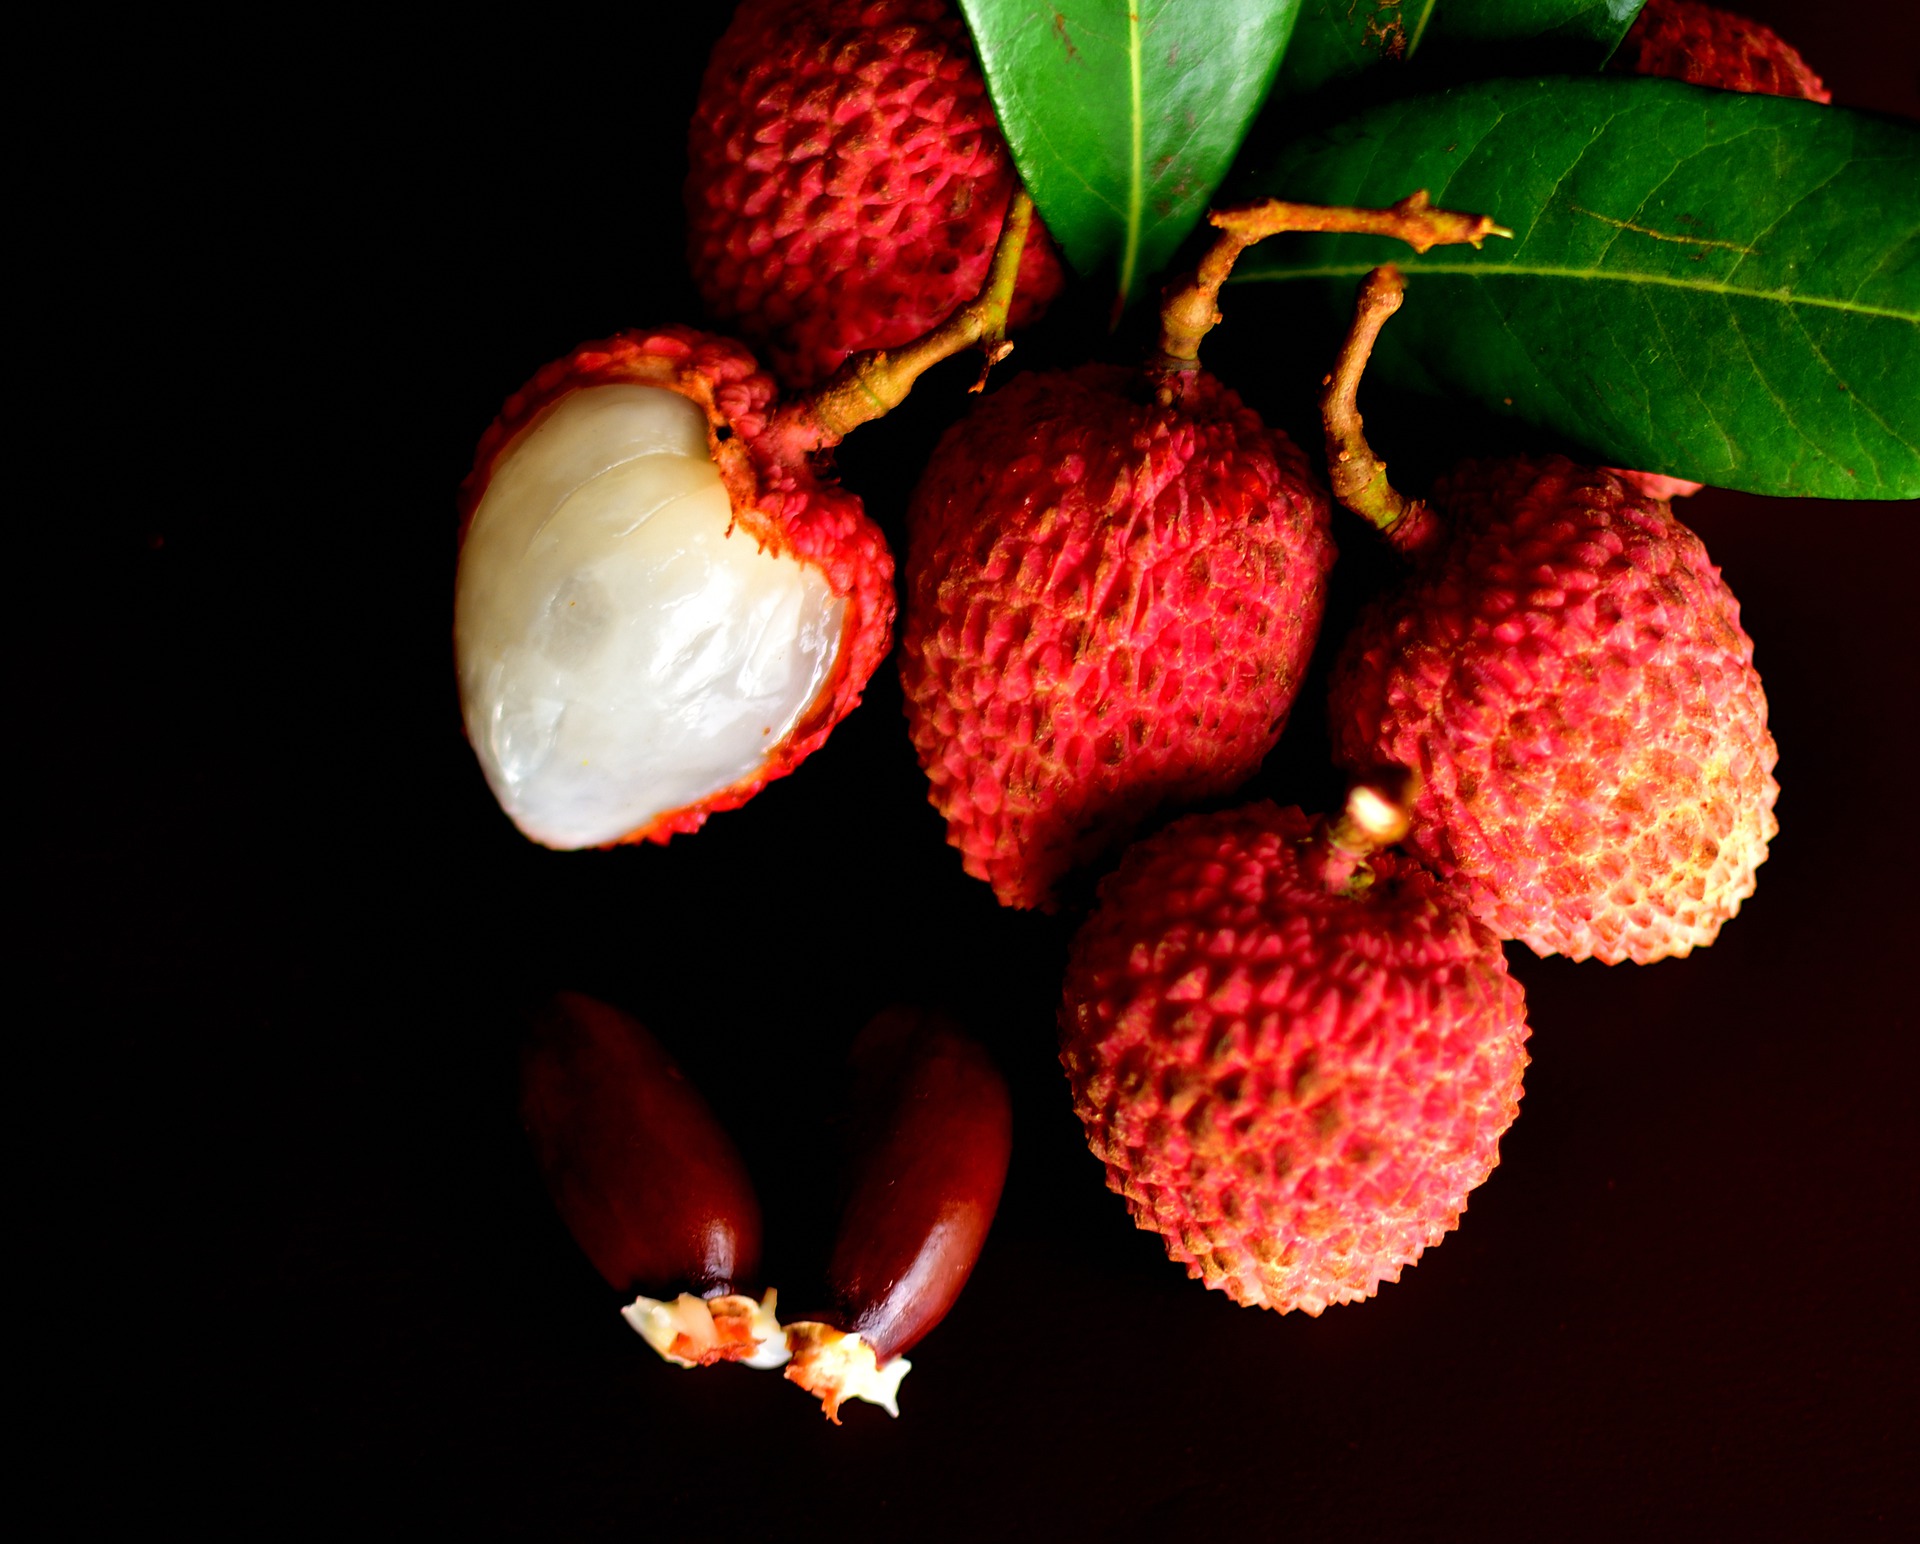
[660, 606]
[1706, 46]
[1114, 580]
[1110, 601]
[848, 180]
[1566, 670]
[1294, 1067]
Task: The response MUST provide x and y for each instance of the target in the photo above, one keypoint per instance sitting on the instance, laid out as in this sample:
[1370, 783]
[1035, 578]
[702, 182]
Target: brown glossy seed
[932, 1135]
[647, 1181]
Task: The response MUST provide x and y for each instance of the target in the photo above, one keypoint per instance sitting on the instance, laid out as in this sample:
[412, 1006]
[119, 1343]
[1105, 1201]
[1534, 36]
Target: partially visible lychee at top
[1706, 46]
[847, 180]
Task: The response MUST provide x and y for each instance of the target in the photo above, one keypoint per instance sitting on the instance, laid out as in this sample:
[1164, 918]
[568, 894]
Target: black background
[297, 1275]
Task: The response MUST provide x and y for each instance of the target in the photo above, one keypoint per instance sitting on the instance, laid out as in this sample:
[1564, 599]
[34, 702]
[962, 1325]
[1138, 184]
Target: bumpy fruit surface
[1110, 602]
[1567, 672]
[1706, 46]
[660, 606]
[1296, 1087]
[848, 180]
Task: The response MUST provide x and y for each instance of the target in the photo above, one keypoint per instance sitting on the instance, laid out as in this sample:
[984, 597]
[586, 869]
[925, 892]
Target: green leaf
[1123, 115]
[1338, 39]
[1569, 35]
[1719, 286]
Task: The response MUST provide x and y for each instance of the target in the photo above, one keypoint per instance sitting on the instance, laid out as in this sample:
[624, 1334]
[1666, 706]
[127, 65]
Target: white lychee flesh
[624, 650]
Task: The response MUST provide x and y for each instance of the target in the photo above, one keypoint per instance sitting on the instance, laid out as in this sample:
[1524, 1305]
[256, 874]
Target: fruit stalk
[929, 1156]
[871, 384]
[1375, 817]
[1359, 477]
[1191, 309]
[648, 1183]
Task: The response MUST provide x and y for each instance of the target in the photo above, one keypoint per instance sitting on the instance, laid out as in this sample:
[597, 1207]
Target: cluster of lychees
[1294, 1050]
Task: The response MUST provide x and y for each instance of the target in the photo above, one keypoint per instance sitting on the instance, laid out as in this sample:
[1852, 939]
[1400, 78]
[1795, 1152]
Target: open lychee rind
[777, 503]
[1295, 1087]
[847, 180]
[837, 1365]
[1110, 604]
[1568, 674]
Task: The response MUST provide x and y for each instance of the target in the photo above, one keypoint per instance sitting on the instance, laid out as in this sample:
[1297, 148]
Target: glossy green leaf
[1719, 286]
[1123, 115]
[1559, 34]
[1338, 39]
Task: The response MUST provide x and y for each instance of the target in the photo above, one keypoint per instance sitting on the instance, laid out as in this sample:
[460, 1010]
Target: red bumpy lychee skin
[1110, 602]
[1295, 1086]
[1567, 672]
[848, 180]
[1706, 46]
[778, 501]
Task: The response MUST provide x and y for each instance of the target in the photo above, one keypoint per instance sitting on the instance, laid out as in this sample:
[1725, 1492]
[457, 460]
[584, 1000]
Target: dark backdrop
[278, 939]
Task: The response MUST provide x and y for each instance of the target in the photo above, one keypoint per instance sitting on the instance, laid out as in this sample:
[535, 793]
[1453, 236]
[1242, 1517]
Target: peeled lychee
[1567, 672]
[1110, 603]
[1706, 46]
[848, 180]
[659, 607]
[1294, 1067]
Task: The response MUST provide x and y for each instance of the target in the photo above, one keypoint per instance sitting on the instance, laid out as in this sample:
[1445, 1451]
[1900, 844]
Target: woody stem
[872, 384]
[1192, 309]
[1359, 477]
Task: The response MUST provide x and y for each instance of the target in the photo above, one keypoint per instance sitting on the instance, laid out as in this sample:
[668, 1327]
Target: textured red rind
[780, 503]
[1706, 46]
[1655, 485]
[1295, 1089]
[1568, 674]
[642, 1173]
[848, 181]
[1110, 604]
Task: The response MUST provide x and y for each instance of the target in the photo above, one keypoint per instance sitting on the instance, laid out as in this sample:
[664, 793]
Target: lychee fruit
[661, 605]
[1294, 1062]
[1110, 604]
[847, 180]
[1566, 671]
[658, 609]
[1114, 581]
[1706, 46]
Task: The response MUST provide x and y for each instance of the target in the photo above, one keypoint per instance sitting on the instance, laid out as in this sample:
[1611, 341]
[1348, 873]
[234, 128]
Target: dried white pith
[688, 1321]
[841, 1366]
[621, 656]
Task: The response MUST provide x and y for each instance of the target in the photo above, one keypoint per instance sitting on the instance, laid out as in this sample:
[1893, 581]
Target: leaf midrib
[1137, 172]
[1590, 275]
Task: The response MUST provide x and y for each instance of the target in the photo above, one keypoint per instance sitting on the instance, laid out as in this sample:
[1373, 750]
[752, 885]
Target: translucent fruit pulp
[624, 649]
